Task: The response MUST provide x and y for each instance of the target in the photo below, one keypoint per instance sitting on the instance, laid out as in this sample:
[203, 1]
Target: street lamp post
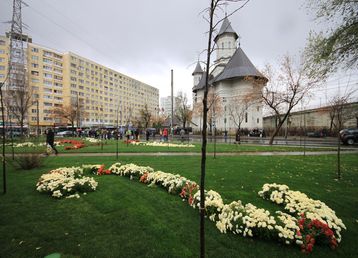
[214, 140]
[225, 132]
[3, 138]
[117, 133]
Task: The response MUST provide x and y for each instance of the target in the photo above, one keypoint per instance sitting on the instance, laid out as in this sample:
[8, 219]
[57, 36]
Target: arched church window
[246, 117]
[222, 45]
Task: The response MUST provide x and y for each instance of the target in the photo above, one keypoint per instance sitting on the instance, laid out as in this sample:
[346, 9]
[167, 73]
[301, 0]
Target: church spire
[198, 69]
[226, 29]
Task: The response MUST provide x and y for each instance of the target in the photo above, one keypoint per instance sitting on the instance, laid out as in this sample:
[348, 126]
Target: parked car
[317, 134]
[349, 136]
[257, 133]
[314, 134]
[64, 134]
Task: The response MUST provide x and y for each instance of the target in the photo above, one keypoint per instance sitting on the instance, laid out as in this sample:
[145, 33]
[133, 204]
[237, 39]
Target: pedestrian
[50, 140]
[136, 133]
[238, 136]
[165, 134]
[147, 134]
[182, 134]
[128, 134]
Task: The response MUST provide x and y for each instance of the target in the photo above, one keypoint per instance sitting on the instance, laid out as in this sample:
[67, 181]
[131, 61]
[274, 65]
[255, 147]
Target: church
[235, 86]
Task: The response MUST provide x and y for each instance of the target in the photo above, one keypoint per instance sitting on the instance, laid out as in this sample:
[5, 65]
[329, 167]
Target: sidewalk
[244, 153]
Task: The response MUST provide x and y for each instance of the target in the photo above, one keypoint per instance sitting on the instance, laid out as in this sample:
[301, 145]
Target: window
[35, 50]
[258, 108]
[57, 70]
[222, 45]
[258, 120]
[2, 67]
[58, 64]
[246, 117]
[35, 65]
[34, 80]
[48, 83]
[229, 45]
[2, 59]
[46, 67]
[46, 53]
[35, 73]
[47, 75]
[2, 51]
[46, 60]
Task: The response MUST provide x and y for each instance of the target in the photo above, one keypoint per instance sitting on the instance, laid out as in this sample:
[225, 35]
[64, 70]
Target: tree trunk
[277, 129]
[339, 157]
[3, 139]
[203, 146]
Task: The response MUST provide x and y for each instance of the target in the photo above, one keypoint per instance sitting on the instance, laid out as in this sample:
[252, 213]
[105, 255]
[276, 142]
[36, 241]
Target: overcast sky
[146, 39]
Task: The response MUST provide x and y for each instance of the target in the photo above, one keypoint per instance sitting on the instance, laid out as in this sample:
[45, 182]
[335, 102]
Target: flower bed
[66, 182]
[162, 144]
[75, 144]
[305, 223]
[26, 144]
[92, 140]
[317, 221]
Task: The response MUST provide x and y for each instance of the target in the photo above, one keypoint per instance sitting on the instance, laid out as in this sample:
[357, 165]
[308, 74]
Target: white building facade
[235, 86]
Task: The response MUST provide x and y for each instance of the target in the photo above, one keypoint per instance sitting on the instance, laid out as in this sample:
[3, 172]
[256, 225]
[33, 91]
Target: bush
[29, 161]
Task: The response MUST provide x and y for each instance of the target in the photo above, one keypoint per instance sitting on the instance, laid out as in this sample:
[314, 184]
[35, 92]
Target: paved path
[242, 153]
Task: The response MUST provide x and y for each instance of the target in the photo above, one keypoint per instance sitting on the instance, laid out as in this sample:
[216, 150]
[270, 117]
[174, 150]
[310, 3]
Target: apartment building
[63, 80]
[166, 105]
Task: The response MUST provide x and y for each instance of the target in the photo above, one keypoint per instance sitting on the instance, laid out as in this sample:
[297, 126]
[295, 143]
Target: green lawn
[110, 146]
[125, 218]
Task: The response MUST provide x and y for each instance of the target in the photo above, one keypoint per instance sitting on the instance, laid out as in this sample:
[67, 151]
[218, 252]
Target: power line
[68, 31]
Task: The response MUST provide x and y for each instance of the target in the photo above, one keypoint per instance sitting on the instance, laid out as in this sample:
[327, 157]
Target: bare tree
[18, 102]
[341, 112]
[159, 120]
[214, 107]
[73, 113]
[145, 116]
[183, 111]
[286, 88]
[211, 11]
[238, 108]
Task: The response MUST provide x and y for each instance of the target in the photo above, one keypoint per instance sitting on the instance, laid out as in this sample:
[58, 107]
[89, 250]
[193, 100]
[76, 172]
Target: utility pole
[17, 61]
[37, 120]
[172, 98]
[117, 133]
[3, 138]
[16, 68]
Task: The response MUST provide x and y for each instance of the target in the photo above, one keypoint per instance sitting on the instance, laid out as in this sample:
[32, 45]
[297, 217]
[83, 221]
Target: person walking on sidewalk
[50, 140]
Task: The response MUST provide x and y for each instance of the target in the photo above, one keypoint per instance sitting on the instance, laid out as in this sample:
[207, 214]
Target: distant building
[235, 85]
[166, 105]
[315, 119]
[58, 79]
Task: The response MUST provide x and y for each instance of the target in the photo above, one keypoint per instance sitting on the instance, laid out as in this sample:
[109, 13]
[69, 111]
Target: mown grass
[124, 218]
[110, 146]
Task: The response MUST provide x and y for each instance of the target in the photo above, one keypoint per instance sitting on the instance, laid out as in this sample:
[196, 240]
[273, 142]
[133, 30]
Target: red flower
[309, 248]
